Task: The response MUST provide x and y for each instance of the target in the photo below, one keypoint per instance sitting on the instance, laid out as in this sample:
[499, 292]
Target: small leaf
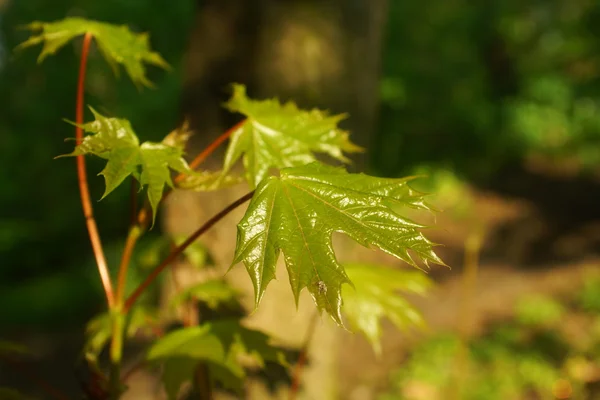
[197, 342]
[117, 43]
[114, 140]
[13, 349]
[281, 135]
[297, 214]
[213, 293]
[13, 394]
[218, 345]
[196, 253]
[374, 297]
[98, 332]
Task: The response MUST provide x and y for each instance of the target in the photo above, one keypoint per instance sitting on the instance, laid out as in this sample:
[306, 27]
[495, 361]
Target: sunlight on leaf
[375, 297]
[114, 140]
[117, 44]
[297, 214]
[277, 135]
[209, 181]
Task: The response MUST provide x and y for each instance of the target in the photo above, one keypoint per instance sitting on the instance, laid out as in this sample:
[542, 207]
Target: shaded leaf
[196, 253]
[212, 293]
[13, 394]
[113, 139]
[196, 342]
[117, 44]
[219, 345]
[297, 214]
[281, 135]
[13, 349]
[375, 297]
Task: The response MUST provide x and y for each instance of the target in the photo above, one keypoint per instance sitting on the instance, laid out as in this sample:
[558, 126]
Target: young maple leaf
[281, 135]
[298, 212]
[374, 297]
[219, 345]
[113, 139]
[117, 43]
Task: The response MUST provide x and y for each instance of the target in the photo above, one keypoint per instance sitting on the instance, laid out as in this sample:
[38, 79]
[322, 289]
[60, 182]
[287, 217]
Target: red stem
[82, 179]
[175, 253]
[200, 158]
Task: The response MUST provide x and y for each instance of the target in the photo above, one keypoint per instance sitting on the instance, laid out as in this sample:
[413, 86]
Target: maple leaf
[114, 140]
[297, 214]
[374, 297]
[117, 43]
[281, 135]
[219, 345]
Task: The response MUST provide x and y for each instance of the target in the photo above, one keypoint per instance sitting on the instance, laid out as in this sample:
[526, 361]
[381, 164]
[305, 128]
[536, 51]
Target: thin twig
[175, 253]
[200, 158]
[82, 179]
[298, 369]
[132, 237]
[45, 386]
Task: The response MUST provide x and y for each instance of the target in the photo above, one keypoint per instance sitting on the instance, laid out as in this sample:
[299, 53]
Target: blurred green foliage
[549, 348]
[476, 86]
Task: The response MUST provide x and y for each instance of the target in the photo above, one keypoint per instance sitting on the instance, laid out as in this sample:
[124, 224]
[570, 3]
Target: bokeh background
[497, 102]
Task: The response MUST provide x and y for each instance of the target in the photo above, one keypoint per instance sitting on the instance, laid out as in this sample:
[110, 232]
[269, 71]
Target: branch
[175, 253]
[200, 158]
[82, 180]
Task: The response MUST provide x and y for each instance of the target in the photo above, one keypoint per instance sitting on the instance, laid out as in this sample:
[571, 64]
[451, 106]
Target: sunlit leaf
[213, 293]
[297, 214]
[150, 163]
[276, 135]
[209, 181]
[117, 43]
[375, 297]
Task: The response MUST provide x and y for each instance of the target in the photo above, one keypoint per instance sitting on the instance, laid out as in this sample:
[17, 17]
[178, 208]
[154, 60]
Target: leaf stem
[82, 179]
[177, 251]
[200, 158]
[298, 369]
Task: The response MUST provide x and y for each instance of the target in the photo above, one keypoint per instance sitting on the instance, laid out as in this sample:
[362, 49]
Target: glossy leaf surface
[375, 296]
[277, 135]
[117, 44]
[150, 163]
[297, 214]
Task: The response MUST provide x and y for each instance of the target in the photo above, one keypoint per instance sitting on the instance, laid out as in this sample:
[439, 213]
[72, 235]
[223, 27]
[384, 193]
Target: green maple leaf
[114, 140]
[281, 135]
[374, 297]
[117, 43]
[217, 344]
[297, 214]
